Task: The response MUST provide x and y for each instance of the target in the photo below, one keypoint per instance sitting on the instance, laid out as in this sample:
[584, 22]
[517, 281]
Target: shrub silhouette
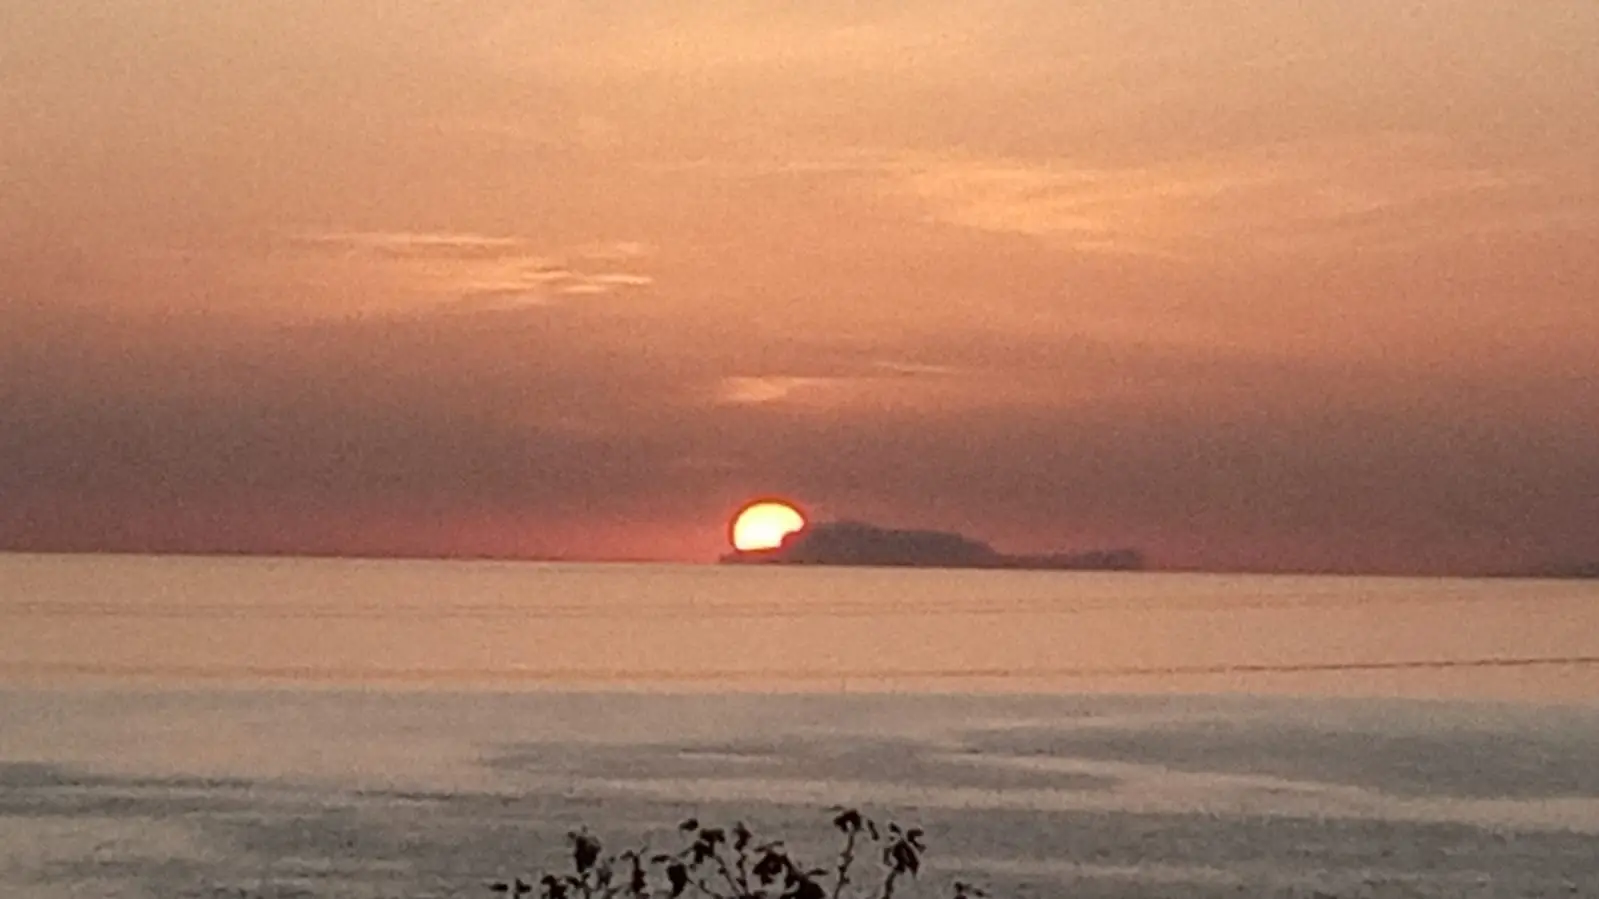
[723, 863]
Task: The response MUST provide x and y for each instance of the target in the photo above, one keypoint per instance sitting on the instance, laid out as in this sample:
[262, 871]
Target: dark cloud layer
[503, 431]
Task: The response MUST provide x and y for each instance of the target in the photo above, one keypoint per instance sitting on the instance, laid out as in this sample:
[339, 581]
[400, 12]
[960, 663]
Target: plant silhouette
[731, 863]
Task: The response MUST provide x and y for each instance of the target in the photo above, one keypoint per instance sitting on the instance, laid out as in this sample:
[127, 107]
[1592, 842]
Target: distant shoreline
[1552, 574]
[1106, 561]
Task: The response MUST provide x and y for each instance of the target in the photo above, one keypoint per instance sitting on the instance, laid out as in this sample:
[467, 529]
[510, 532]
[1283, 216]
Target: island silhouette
[848, 542]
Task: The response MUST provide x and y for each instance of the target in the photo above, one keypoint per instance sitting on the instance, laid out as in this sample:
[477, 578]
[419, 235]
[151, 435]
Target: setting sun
[763, 525]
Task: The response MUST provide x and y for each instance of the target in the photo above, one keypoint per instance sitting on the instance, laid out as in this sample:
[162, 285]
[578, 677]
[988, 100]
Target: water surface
[706, 627]
[285, 728]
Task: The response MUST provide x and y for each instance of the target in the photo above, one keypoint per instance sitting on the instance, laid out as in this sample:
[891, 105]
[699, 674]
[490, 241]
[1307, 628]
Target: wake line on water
[646, 676]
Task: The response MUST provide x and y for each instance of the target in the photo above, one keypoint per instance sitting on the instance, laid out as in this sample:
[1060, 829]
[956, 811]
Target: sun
[763, 524]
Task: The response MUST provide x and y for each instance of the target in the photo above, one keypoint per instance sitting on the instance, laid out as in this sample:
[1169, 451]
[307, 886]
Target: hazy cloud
[1315, 196]
[915, 369]
[615, 251]
[484, 272]
[744, 390]
[851, 381]
[416, 245]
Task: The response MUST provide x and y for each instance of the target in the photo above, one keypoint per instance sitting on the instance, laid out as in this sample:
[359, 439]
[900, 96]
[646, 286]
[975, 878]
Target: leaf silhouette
[585, 851]
[677, 878]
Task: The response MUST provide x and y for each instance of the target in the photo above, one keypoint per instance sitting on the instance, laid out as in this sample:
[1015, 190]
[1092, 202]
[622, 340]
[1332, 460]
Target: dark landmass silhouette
[1557, 571]
[859, 543]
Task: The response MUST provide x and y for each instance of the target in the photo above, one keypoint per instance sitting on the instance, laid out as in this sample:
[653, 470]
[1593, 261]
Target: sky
[1246, 285]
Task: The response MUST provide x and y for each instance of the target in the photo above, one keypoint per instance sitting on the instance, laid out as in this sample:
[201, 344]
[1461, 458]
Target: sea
[276, 727]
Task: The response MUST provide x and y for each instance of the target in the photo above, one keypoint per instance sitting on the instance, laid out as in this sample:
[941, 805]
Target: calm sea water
[166, 620]
[277, 728]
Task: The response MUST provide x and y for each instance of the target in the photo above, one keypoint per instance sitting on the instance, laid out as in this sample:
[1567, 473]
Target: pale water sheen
[437, 623]
[185, 727]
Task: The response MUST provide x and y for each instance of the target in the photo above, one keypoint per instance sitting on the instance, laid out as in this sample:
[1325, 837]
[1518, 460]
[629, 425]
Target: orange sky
[1247, 284]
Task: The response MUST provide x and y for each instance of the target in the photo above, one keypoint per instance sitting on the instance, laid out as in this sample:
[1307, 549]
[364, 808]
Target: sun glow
[763, 525]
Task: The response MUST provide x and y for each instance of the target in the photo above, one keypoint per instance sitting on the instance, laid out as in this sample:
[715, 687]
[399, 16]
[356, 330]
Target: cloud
[1383, 192]
[415, 244]
[476, 271]
[615, 251]
[876, 388]
[849, 382]
[620, 279]
[915, 369]
[744, 390]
